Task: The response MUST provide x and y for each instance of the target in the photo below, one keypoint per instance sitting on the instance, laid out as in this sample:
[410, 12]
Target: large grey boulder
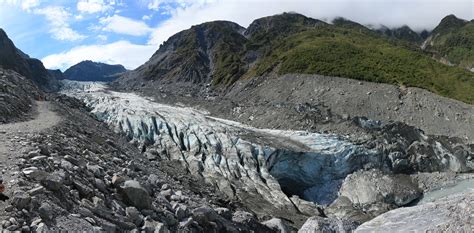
[451, 214]
[317, 224]
[277, 225]
[21, 199]
[343, 208]
[135, 195]
[369, 187]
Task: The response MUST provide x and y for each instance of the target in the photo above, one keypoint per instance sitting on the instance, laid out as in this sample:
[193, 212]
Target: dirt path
[13, 142]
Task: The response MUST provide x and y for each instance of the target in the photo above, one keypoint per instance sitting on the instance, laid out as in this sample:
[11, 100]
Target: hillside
[333, 51]
[453, 40]
[223, 52]
[14, 59]
[93, 71]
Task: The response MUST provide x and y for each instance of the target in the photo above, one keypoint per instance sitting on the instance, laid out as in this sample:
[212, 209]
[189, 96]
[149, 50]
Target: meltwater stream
[236, 158]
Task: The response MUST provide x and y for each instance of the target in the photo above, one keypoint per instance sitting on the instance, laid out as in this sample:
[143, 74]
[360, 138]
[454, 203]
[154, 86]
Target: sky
[64, 32]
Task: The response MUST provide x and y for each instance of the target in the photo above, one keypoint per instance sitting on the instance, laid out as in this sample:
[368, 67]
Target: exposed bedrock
[273, 165]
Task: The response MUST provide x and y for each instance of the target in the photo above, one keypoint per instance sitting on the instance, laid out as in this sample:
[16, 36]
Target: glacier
[228, 154]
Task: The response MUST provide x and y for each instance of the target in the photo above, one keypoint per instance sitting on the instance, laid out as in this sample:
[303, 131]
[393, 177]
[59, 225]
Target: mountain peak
[282, 23]
[343, 22]
[449, 22]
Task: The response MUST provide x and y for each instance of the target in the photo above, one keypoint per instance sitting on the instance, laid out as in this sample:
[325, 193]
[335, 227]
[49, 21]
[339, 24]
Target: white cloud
[157, 5]
[27, 5]
[154, 4]
[124, 25]
[146, 17]
[58, 19]
[102, 37]
[120, 52]
[418, 14]
[94, 6]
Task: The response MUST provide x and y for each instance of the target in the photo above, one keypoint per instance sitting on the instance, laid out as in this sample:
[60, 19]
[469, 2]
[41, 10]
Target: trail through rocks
[12, 143]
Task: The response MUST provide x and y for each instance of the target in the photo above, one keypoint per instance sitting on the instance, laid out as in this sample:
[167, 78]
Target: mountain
[14, 59]
[93, 71]
[223, 52]
[453, 41]
[219, 52]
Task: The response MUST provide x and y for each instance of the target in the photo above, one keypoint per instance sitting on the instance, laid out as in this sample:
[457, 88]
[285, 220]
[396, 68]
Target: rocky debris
[16, 95]
[451, 214]
[319, 224]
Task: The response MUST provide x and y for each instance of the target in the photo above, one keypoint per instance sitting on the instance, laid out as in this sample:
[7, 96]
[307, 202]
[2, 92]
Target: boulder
[373, 186]
[54, 181]
[135, 195]
[45, 211]
[21, 200]
[277, 225]
[318, 224]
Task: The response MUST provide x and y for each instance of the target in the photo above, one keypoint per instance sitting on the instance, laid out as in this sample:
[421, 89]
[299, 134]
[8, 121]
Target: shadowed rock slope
[16, 95]
[14, 59]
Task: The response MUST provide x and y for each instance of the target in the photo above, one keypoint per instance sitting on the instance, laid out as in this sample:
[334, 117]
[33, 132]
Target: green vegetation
[349, 53]
[228, 66]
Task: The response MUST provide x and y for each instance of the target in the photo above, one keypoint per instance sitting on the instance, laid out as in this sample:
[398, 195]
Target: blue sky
[64, 32]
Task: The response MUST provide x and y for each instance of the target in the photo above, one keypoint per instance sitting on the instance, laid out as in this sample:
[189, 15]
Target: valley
[290, 124]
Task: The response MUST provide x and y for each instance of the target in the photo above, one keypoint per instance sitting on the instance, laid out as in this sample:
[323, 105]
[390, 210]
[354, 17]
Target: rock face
[451, 214]
[14, 59]
[94, 71]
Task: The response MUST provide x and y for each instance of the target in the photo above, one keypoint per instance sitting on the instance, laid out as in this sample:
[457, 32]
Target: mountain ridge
[293, 43]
